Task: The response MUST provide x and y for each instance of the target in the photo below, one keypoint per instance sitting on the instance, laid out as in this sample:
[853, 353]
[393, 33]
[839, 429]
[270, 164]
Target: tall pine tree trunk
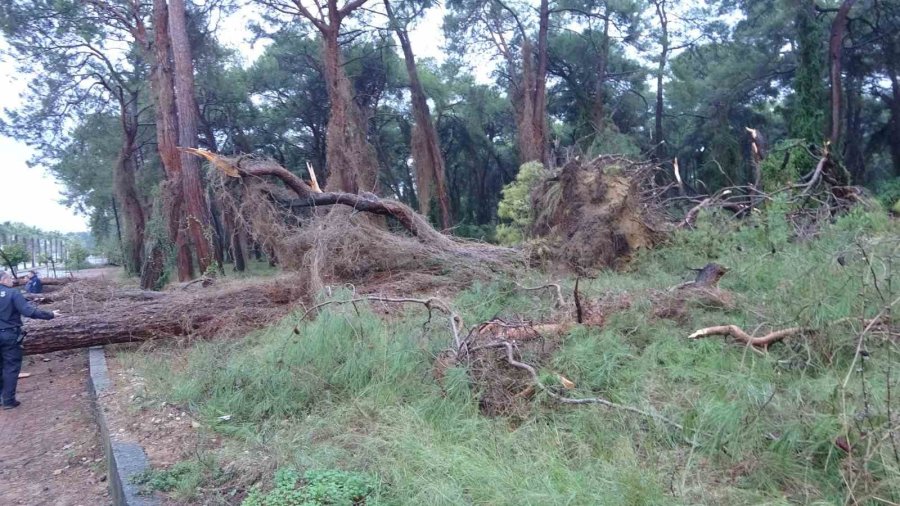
[658, 133]
[539, 117]
[123, 181]
[835, 53]
[426, 149]
[352, 162]
[168, 204]
[894, 126]
[598, 109]
[530, 98]
[195, 208]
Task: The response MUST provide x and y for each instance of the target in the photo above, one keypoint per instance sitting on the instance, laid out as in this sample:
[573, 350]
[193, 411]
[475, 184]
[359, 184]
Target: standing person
[12, 307]
[34, 284]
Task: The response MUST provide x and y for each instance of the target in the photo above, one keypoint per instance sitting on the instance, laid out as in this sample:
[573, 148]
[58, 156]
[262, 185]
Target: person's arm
[26, 309]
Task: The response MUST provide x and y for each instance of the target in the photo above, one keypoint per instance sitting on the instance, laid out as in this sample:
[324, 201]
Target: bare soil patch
[50, 449]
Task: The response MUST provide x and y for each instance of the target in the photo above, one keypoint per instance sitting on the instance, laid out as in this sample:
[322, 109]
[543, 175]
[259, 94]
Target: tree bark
[658, 136]
[131, 316]
[531, 95]
[351, 160]
[598, 111]
[426, 147]
[835, 51]
[162, 87]
[124, 184]
[196, 210]
[540, 92]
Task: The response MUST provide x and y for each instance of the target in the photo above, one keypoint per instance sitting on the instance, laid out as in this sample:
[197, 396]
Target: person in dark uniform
[12, 307]
[34, 284]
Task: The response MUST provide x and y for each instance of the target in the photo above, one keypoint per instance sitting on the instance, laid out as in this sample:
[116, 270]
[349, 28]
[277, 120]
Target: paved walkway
[50, 452]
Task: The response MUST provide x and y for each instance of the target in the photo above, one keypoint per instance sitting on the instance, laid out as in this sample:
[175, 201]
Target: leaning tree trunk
[352, 162]
[426, 149]
[196, 211]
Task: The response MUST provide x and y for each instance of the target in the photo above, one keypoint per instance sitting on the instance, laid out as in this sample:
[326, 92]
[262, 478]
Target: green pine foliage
[515, 209]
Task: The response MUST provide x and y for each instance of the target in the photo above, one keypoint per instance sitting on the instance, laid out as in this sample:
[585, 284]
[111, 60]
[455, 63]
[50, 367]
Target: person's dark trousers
[11, 362]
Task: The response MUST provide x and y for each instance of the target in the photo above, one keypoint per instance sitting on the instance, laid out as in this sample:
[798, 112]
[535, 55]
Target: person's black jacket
[13, 306]
[34, 285]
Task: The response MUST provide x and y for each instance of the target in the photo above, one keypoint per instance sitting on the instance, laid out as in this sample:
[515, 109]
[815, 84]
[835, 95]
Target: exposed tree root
[738, 333]
[560, 301]
[779, 335]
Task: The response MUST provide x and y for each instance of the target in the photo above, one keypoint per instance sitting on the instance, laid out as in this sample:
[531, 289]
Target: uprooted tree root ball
[592, 214]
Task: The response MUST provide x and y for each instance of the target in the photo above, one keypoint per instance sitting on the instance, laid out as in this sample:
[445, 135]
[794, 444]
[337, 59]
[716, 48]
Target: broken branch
[738, 333]
[510, 358]
[560, 301]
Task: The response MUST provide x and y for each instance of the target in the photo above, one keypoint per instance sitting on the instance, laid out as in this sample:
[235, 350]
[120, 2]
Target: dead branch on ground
[510, 358]
[738, 333]
[779, 335]
[560, 301]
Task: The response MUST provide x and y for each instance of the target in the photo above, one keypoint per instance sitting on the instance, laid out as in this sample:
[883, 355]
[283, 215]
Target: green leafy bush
[167, 480]
[12, 255]
[515, 206]
[77, 256]
[788, 160]
[889, 195]
[318, 487]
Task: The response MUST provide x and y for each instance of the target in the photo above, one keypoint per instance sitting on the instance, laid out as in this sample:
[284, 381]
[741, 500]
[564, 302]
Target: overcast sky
[32, 196]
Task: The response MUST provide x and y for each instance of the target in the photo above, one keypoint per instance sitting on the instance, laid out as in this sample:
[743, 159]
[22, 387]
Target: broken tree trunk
[412, 222]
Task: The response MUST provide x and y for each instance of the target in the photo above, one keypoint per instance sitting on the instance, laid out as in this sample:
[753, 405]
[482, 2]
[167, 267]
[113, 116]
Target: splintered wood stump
[132, 316]
[710, 275]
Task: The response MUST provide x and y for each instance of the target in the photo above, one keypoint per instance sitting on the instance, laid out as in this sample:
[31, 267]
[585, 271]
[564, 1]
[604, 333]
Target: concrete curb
[124, 459]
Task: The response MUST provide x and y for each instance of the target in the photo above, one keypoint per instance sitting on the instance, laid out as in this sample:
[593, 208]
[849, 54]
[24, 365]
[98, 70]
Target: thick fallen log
[131, 315]
[46, 281]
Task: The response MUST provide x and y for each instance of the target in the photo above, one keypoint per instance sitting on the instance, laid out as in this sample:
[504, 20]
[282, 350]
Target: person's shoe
[15, 404]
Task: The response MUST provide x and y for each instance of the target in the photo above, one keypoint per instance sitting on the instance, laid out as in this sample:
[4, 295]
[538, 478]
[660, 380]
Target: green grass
[354, 393]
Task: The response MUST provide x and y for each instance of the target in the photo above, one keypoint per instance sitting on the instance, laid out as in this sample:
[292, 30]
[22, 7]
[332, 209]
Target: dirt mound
[591, 214]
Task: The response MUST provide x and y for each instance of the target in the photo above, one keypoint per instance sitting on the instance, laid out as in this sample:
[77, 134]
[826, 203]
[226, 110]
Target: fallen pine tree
[95, 314]
[336, 246]
[337, 237]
